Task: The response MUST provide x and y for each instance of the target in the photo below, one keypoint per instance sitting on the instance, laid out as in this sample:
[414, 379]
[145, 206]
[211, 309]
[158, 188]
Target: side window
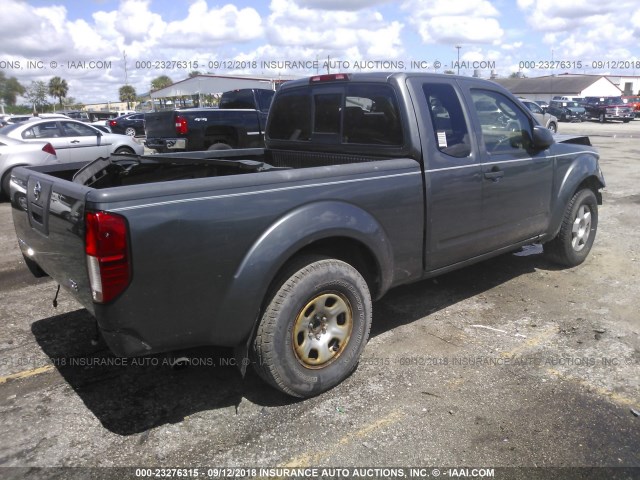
[505, 127]
[534, 107]
[449, 125]
[72, 129]
[371, 116]
[43, 130]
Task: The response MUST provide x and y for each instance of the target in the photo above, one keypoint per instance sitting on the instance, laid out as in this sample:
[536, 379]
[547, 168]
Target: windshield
[614, 101]
[572, 104]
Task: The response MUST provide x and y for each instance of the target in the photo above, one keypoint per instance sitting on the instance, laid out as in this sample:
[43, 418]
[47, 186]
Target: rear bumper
[167, 144]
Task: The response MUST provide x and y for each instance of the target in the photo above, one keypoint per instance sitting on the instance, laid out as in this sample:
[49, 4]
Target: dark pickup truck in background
[608, 108]
[238, 123]
[368, 181]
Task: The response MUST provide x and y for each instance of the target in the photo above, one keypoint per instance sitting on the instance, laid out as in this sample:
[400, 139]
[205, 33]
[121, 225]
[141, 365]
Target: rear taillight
[49, 149]
[107, 255]
[112, 123]
[181, 125]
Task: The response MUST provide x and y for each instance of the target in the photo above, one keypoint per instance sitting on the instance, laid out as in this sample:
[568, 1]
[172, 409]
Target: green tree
[127, 94]
[10, 89]
[449, 72]
[194, 73]
[160, 82]
[36, 95]
[58, 88]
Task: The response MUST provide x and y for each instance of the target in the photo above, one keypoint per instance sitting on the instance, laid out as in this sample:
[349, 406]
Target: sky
[89, 42]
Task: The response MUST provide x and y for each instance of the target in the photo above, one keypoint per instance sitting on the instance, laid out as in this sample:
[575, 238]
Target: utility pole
[126, 77]
[458, 47]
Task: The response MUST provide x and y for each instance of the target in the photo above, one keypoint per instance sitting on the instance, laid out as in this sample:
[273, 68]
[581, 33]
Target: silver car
[14, 153]
[544, 119]
[74, 141]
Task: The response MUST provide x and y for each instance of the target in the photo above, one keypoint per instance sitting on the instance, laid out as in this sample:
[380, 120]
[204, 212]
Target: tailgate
[48, 215]
[160, 124]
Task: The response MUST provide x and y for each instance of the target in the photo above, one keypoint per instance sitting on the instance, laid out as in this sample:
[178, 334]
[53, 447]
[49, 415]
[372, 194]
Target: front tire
[577, 233]
[5, 184]
[553, 127]
[314, 328]
[601, 118]
[126, 150]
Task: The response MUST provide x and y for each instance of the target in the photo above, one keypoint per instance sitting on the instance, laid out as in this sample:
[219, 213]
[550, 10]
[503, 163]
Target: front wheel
[577, 233]
[314, 328]
[553, 127]
[4, 186]
[602, 118]
[123, 150]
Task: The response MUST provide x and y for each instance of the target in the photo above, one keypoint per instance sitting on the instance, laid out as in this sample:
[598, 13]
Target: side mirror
[542, 138]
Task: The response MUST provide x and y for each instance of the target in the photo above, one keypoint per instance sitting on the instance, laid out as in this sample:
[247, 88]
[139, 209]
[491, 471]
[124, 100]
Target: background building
[568, 85]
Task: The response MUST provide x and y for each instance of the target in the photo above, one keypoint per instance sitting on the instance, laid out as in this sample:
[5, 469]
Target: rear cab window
[338, 114]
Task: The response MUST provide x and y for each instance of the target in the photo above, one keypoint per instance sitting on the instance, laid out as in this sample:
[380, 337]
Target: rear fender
[288, 236]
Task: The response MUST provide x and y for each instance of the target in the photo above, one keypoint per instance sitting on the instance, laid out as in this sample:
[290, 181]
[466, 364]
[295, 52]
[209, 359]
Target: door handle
[495, 174]
[75, 141]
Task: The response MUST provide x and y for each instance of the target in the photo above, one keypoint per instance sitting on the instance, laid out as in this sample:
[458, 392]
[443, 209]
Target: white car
[74, 141]
[15, 153]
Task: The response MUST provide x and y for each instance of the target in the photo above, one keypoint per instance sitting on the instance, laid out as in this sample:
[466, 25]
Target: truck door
[452, 173]
[516, 180]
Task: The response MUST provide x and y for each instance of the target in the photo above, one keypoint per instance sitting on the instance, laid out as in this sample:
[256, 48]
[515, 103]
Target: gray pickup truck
[368, 181]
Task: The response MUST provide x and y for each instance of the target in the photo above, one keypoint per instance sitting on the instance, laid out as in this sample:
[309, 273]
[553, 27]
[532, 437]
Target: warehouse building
[566, 85]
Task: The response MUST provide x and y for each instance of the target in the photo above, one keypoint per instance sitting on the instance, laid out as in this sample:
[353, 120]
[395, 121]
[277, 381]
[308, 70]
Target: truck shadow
[130, 396]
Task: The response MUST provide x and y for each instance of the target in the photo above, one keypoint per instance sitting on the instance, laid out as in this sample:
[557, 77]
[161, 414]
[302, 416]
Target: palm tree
[161, 82]
[127, 94]
[58, 88]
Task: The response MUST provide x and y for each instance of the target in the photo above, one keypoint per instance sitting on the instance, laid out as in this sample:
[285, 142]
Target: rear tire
[553, 127]
[578, 231]
[130, 131]
[314, 328]
[601, 118]
[219, 146]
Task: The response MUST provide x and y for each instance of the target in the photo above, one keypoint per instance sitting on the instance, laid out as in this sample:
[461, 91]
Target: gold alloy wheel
[322, 330]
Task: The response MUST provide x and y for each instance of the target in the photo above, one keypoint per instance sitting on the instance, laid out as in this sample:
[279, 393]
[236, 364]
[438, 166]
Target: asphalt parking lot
[509, 363]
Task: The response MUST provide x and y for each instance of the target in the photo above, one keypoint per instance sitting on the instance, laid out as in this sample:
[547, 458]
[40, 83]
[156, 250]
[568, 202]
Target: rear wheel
[553, 127]
[577, 233]
[219, 146]
[601, 118]
[130, 131]
[315, 327]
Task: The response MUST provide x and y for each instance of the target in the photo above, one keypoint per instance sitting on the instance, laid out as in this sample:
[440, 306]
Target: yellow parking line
[613, 396]
[546, 334]
[26, 373]
[307, 459]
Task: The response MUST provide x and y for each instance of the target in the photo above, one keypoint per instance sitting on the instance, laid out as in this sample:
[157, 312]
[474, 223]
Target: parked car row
[61, 139]
[578, 109]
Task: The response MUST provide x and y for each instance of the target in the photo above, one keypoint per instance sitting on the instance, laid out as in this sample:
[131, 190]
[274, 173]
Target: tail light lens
[181, 125]
[106, 247]
[49, 149]
[112, 123]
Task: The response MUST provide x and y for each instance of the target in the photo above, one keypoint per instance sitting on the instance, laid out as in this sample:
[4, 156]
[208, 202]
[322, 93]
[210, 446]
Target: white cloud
[447, 22]
[211, 27]
[336, 33]
[349, 5]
